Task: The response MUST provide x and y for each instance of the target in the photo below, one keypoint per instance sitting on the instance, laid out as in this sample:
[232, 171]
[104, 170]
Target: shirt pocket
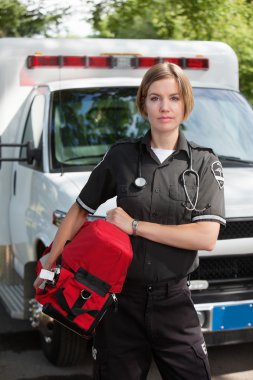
[179, 202]
[130, 198]
[178, 193]
[125, 191]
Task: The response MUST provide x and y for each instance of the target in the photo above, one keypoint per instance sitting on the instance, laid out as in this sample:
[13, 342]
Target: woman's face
[164, 105]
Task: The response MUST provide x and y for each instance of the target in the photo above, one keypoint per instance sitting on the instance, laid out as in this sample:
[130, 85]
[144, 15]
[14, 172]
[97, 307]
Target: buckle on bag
[85, 295]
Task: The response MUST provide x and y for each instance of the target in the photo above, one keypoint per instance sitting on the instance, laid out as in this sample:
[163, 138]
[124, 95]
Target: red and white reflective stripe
[110, 62]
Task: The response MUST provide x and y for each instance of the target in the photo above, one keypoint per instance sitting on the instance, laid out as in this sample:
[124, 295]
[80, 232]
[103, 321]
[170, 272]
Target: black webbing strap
[76, 309]
[94, 283]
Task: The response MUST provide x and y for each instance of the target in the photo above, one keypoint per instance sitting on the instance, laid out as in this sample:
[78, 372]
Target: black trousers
[152, 321]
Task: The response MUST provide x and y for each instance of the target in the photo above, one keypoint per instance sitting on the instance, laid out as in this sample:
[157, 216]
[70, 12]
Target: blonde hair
[164, 71]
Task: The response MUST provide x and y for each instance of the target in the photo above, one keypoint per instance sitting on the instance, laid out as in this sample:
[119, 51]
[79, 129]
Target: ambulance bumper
[226, 322]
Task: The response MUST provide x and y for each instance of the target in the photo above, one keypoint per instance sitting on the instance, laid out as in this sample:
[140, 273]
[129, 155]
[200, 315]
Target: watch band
[134, 226]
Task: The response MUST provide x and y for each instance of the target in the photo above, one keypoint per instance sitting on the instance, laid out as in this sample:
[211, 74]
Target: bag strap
[76, 309]
[93, 282]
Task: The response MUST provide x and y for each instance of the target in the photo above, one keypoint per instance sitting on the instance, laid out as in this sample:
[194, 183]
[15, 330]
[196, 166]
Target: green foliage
[19, 20]
[228, 21]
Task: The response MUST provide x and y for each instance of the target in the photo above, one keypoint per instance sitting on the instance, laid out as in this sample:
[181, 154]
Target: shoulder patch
[217, 171]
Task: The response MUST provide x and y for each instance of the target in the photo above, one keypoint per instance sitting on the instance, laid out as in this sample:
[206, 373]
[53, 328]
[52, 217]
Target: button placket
[154, 197]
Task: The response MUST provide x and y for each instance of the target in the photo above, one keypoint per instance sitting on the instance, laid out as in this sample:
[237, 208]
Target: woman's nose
[164, 105]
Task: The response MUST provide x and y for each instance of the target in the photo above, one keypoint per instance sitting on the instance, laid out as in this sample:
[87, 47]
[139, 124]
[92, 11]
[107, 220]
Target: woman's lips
[165, 118]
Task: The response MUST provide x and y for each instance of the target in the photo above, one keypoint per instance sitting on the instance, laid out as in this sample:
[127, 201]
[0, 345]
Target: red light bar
[184, 63]
[197, 63]
[142, 62]
[113, 62]
[74, 61]
[177, 61]
[34, 61]
[99, 62]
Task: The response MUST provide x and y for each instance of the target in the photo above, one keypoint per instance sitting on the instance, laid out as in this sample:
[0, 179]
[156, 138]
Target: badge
[203, 345]
[218, 173]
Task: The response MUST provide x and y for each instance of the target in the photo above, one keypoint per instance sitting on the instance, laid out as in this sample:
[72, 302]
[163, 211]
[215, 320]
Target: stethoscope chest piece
[140, 182]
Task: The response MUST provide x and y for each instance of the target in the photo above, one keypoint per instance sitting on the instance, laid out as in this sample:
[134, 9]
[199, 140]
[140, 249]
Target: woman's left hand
[121, 219]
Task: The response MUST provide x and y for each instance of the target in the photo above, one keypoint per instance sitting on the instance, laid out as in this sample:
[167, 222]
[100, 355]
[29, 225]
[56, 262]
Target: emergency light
[112, 62]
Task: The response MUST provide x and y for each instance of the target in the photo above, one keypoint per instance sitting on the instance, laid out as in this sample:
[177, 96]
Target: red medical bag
[93, 268]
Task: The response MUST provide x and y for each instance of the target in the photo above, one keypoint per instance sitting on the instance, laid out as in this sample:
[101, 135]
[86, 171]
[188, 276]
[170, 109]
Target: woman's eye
[154, 98]
[175, 98]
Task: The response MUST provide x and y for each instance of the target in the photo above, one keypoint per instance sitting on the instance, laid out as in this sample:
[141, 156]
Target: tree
[229, 21]
[20, 20]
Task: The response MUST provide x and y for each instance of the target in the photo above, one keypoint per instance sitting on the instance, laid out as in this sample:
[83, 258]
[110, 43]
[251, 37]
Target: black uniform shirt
[162, 200]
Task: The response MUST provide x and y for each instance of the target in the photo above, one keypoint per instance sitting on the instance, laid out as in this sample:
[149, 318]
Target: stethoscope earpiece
[140, 182]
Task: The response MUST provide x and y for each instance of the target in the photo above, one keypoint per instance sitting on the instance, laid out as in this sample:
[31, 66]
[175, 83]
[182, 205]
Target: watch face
[134, 226]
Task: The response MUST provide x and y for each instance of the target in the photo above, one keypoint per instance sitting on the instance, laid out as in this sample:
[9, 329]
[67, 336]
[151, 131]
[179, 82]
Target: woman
[170, 200]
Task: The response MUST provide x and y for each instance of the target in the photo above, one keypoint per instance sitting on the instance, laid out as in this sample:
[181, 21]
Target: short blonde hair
[164, 71]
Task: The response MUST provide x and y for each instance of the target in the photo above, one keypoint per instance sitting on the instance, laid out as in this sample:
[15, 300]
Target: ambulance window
[222, 120]
[85, 122]
[33, 127]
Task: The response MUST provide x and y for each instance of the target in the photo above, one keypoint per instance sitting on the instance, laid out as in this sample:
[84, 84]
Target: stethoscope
[140, 182]
[190, 171]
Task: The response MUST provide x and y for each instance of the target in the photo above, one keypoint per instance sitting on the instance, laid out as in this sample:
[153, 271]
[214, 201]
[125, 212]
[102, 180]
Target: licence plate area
[229, 317]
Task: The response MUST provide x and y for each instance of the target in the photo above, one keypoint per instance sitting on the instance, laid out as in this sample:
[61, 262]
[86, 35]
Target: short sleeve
[211, 204]
[99, 188]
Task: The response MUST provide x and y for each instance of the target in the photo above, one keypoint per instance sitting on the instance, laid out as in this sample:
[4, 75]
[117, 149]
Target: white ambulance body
[65, 102]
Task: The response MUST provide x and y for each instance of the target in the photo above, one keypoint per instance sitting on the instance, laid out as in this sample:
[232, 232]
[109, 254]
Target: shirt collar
[182, 142]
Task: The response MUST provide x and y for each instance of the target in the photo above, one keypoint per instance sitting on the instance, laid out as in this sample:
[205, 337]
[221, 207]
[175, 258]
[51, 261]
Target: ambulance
[63, 102]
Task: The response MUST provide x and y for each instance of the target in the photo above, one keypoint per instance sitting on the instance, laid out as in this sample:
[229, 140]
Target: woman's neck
[164, 141]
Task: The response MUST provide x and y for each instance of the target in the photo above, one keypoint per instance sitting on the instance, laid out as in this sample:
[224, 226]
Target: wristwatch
[134, 226]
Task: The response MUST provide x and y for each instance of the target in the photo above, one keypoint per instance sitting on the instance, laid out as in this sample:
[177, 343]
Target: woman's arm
[68, 228]
[192, 236]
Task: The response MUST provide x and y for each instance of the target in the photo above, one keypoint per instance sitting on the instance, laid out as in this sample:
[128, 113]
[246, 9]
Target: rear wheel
[61, 346]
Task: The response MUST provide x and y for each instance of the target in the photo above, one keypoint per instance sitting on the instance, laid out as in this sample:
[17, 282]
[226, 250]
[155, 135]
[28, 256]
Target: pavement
[21, 357]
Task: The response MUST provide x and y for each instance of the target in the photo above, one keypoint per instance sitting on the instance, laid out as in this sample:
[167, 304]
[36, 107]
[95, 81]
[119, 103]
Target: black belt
[156, 287]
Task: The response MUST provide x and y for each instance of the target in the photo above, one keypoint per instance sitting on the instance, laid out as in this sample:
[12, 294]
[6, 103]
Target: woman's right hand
[39, 280]
[37, 283]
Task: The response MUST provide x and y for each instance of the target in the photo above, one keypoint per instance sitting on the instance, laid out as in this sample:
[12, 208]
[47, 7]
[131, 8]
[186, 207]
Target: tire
[61, 346]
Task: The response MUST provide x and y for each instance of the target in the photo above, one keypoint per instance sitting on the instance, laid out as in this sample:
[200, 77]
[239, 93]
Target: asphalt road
[21, 358]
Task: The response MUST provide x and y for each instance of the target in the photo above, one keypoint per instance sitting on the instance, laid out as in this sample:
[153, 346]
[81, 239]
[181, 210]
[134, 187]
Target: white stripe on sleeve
[83, 205]
[209, 217]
